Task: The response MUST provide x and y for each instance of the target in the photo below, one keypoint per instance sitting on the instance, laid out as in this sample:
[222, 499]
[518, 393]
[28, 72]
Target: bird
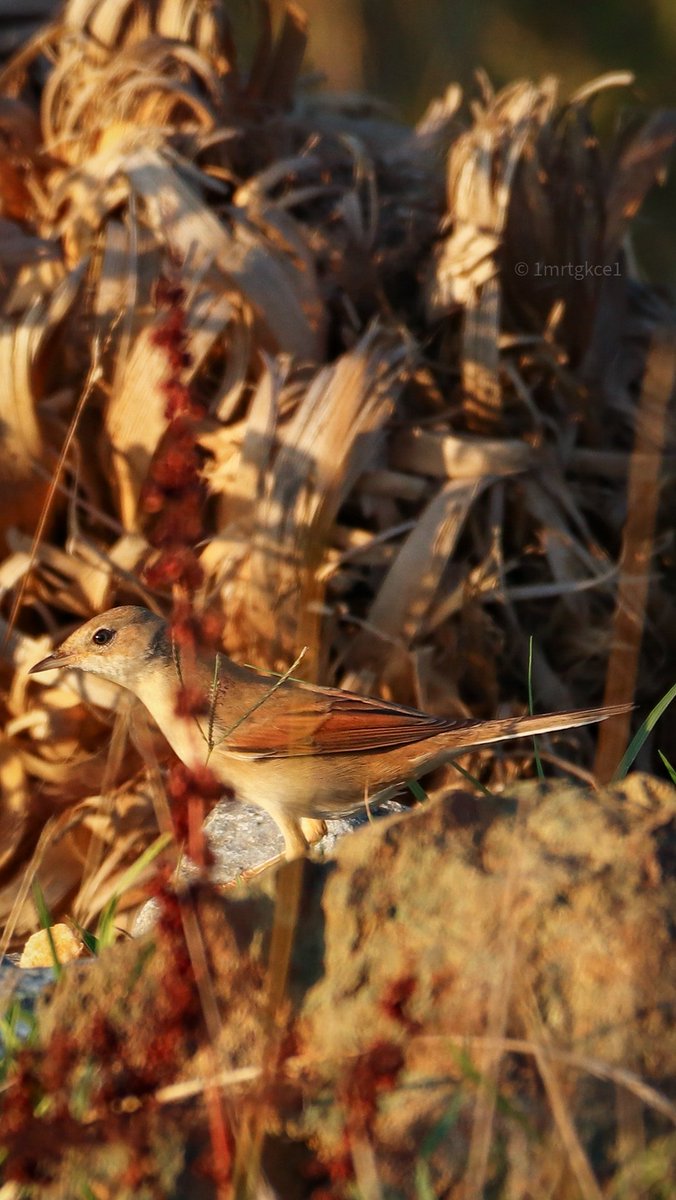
[301, 752]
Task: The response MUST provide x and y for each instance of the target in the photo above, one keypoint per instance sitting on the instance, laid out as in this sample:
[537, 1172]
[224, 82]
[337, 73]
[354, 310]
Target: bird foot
[261, 868]
[313, 829]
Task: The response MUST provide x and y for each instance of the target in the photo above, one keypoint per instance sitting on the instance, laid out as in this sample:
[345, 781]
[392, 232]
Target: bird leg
[295, 842]
[298, 833]
[298, 836]
[313, 829]
[253, 872]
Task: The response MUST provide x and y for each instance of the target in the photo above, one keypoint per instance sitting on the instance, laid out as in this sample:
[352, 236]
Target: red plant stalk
[173, 498]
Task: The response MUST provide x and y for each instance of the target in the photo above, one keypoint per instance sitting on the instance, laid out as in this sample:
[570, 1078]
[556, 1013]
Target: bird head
[118, 645]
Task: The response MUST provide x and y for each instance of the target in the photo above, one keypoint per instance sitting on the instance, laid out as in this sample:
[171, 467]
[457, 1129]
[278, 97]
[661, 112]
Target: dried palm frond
[414, 451]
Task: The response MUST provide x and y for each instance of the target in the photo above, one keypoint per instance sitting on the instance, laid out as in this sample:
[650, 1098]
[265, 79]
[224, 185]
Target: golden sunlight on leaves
[414, 430]
[295, 374]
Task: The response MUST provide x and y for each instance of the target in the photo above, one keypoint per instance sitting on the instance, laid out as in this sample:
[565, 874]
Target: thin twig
[245, 716]
[174, 1093]
[578, 1159]
[638, 544]
[93, 377]
[500, 998]
[176, 656]
[213, 696]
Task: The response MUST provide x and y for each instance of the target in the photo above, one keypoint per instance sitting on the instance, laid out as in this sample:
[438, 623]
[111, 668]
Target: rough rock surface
[480, 995]
[244, 838]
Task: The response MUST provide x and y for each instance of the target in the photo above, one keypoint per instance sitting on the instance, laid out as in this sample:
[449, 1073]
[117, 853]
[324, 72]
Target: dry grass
[415, 455]
[417, 408]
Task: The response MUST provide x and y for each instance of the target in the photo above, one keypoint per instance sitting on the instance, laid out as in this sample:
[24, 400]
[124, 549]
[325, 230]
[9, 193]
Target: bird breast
[184, 734]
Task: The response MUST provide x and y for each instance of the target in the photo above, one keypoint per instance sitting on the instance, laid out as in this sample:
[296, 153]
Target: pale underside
[318, 752]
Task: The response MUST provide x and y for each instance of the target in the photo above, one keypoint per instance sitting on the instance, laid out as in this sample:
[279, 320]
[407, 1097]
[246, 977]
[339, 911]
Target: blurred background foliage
[407, 51]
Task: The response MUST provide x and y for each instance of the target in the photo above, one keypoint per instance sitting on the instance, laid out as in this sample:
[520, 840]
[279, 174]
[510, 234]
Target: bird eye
[102, 636]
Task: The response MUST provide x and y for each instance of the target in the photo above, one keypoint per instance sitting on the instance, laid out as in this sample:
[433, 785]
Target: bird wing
[305, 720]
[323, 721]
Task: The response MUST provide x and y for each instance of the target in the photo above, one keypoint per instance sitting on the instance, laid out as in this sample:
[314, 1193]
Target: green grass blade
[424, 1188]
[46, 924]
[417, 790]
[473, 779]
[640, 736]
[105, 929]
[671, 770]
[18, 1031]
[89, 940]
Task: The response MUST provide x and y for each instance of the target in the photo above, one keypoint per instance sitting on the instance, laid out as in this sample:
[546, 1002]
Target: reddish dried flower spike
[184, 782]
[181, 403]
[211, 629]
[176, 467]
[192, 575]
[178, 399]
[395, 1000]
[208, 785]
[191, 702]
[183, 613]
[174, 493]
[216, 1167]
[174, 566]
[170, 571]
[385, 1060]
[167, 569]
[375, 1071]
[179, 525]
[184, 788]
[185, 626]
[168, 293]
[190, 630]
[152, 497]
[170, 336]
[160, 882]
[340, 1170]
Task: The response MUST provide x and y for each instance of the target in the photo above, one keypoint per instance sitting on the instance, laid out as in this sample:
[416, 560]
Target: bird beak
[53, 662]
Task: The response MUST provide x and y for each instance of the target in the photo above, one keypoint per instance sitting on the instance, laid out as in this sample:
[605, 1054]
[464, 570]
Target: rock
[474, 973]
[47, 945]
[243, 838]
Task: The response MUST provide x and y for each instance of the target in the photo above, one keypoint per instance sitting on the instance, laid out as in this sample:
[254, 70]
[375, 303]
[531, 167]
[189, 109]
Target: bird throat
[159, 646]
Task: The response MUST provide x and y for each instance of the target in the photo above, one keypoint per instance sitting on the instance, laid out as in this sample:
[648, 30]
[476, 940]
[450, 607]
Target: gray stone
[242, 838]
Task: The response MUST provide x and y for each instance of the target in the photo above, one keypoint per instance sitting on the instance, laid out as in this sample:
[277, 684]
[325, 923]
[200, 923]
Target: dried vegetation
[367, 388]
[416, 422]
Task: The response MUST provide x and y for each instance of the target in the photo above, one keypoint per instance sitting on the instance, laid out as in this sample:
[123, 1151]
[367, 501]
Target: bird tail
[482, 733]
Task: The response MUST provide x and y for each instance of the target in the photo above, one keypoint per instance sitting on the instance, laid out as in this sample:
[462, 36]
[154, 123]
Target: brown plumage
[302, 753]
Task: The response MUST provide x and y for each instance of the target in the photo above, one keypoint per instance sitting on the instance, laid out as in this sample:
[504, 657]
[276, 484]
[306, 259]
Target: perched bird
[300, 752]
